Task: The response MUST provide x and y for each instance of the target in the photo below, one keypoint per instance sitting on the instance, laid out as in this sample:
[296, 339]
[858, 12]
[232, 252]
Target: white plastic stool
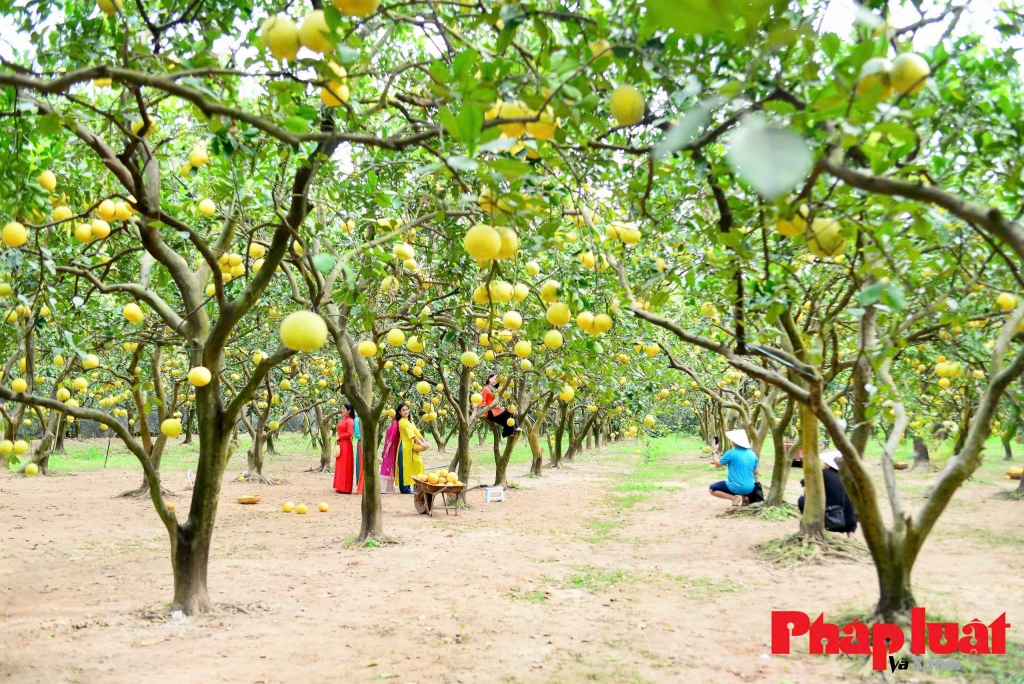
[494, 494]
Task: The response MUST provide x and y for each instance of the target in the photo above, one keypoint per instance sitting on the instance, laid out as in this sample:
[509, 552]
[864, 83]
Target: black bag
[835, 519]
[757, 495]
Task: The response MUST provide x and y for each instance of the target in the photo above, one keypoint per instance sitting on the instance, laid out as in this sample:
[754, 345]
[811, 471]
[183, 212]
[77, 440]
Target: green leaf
[510, 168]
[830, 44]
[687, 17]
[296, 124]
[871, 294]
[470, 122]
[450, 123]
[48, 124]
[772, 160]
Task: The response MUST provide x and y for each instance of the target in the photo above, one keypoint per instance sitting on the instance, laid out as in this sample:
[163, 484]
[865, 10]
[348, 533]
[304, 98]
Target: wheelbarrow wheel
[419, 499]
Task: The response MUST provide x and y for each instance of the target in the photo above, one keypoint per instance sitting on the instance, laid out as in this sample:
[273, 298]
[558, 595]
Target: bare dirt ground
[574, 578]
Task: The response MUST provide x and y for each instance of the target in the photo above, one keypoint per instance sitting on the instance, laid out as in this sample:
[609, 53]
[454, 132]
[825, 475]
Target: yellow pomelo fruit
[281, 36]
[432, 478]
[558, 314]
[602, 323]
[523, 349]
[414, 344]
[14, 234]
[90, 361]
[207, 207]
[80, 384]
[301, 509]
[567, 393]
[470, 359]
[544, 127]
[106, 210]
[336, 92]
[525, 365]
[520, 292]
[1006, 301]
[396, 338]
[909, 73]
[109, 7]
[199, 376]
[509, 243]
[553, 339]
[403, 251]
[31, 470]
[510, 110]
[423, 387]
[62, 213]
[171, 427]
[793, 226]
[83, 232]
[99, 228]
[19, 385]
[256, 250]
[6, 447]
[367, 348]
[20, 447]
[313, 32]
[133, 312]
[825, 239]
[303, 331]
[532, 268]
[512, 320]
[273, 425]
[198, 157]
[649, 420]
[47, 180]
[627, 105]
[356, 8]
[875, 72]
[549, 290]
[288, 507]
[323, 507]
[482, 242]
[585, 321]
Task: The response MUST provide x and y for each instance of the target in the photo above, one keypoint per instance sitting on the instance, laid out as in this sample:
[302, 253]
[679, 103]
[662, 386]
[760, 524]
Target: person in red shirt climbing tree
[495, 413]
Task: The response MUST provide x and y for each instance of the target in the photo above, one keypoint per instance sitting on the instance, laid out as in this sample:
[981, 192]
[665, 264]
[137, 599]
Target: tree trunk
[812, 522]
[372, 524]
[501, 463]
[327, 441]
[254, 458]
[921, 455]
[462, 459]
[189, 413]
[532, 429]
[556, 452]
[895, 596]
[783, 458]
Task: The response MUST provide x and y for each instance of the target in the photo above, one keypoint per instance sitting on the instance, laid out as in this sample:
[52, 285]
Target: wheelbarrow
[423, 494]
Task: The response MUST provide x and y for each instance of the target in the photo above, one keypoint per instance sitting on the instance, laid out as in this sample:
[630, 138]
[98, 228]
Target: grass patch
[796, 549]
[528, 596]
[999, 669]
[704, 589]
[602, 531]
[594, 580]
[783, 512]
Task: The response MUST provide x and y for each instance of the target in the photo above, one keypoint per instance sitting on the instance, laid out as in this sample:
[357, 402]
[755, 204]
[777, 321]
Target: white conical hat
[738, 437]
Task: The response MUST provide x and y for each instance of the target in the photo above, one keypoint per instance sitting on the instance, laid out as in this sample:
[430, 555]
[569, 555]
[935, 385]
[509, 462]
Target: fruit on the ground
[133, 312]
[909, 73]
[288, 507]
[303, 331]
[171, 427]
[301, 509]
[281, 36]
[470, 359]
[357, 8]
[14, 234]
[627, 105]
[367, 348]
[313, 32]
[553, 339]
[482, 242]
[31, 469]
[207, 207]
[875, 72]
[825, 239]
[47, 180]
[199, 376]
[323, 507]
[170, 505]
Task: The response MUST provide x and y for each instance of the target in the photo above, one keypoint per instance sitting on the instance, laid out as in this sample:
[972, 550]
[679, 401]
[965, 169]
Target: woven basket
[250, 498]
